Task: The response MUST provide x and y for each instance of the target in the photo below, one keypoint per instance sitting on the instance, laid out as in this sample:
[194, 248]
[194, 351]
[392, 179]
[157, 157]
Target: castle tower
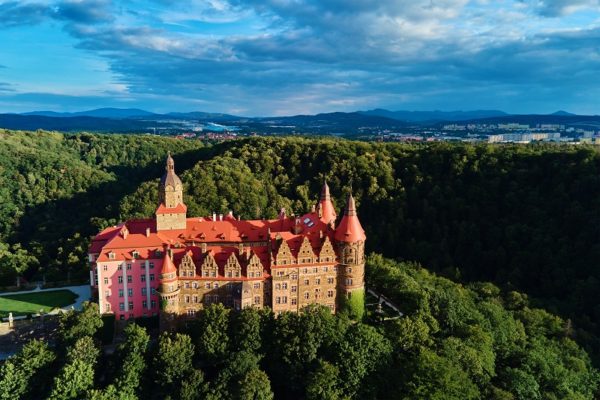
[350, 243]
[325, 207]
[171, 211]
[168, 292]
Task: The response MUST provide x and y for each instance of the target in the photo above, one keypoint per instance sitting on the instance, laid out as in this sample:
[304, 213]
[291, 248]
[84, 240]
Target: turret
[168, 292]
[171, 211]
[350, 243]
[325, 207]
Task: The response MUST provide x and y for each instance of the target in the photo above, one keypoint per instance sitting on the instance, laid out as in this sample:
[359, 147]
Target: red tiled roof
[349, 230]
[179, 209]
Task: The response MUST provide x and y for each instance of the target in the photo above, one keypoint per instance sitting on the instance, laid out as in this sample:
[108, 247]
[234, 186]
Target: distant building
[173, 265]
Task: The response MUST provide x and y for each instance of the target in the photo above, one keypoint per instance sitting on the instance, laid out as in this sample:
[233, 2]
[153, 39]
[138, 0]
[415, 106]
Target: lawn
[31, 303]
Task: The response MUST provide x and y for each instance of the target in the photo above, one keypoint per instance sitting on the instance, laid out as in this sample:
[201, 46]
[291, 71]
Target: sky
[285, 57]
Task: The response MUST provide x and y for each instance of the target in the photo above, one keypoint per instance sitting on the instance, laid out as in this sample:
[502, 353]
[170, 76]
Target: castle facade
[173, 265]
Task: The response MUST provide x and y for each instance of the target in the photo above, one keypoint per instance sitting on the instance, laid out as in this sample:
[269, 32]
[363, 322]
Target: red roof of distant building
[349, 230]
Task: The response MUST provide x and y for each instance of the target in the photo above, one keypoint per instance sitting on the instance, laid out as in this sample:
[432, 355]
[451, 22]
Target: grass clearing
[31, 303]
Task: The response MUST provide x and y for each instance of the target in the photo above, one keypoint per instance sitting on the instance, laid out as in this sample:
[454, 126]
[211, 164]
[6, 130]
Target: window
[258, 274]
[207, 285]
[151, 277]
[143, 278]
[205, 273]
[120, 279]
[120, 268]
[111, 255]
[325, 269]
[144, 291]
[278, 286]
[143, 265]
[349, 270]
[213, 274]
[121, 293]
[348, 281]
[107, 293]
[131, 305]
[294, 277]
[129, 267]
[257, 285]
[151, 265]
[256, 299]
[105, 268]
[251, 274]
[107, 307]
[129, 279]
[122, 306]
[318, 281]
[130, 292]
[293, 301]
[306, 282]
[135, 254]
[284, 299]
[330, 293]
[153, 291]
[145, 303]
[195, 299]
[284, 285]
[152, 303]
[187, 299]
[106, 281]
[191, 313]
[294, 288]
[330, 280]
[306, 295]
[216, 285]
[187, 285]
[229, 274]
[315, 270]
[277, 300]
[195, 285]
[280, 273]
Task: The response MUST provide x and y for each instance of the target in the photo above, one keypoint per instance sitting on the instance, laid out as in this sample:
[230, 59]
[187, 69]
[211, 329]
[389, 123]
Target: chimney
[313, 209]
[124, 232]
[220, 217]
[230, 214]
[214, 216]
[203, 247]
[282, 213]
[147, 232]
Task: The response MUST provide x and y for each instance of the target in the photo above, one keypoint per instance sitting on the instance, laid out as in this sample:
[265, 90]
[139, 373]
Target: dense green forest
[523, 217]
[455, 342]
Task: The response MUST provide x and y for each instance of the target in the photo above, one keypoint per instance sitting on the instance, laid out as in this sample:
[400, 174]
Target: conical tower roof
[350, 230]
[168, 266]
[328, 214]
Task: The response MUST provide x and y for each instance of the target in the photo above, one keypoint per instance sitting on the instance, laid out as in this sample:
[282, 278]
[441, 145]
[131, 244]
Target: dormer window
[135, 254]
[111, 255]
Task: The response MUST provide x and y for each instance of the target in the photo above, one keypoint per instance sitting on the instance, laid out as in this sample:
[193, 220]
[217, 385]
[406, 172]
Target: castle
[173, 265]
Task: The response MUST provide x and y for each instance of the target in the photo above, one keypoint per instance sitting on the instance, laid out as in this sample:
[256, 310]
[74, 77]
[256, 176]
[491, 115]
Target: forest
[454, 342]
[523, 217]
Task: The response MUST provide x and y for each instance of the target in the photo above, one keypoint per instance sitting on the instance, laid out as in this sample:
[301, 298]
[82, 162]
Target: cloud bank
[267, 57]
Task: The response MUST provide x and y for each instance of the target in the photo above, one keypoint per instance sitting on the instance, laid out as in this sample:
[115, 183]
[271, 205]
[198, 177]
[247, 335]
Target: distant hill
[67, 124]
[99, 113]
[563, 113]
[423, 116]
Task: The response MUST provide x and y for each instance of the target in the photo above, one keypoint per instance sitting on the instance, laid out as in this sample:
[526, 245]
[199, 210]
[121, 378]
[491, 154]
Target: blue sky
[283, 57]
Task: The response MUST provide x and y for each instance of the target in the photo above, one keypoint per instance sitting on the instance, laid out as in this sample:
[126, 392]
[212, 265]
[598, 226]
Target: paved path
[386, 301]
[83, 294]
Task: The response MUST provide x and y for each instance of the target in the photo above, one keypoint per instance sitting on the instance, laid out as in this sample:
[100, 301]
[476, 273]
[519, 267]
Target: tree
[193, 387]
[77, 324]
[255, 385]
[173, 360]
[77, 376]
[212, 340]
[246, 330]
[25, 371]
[131, 356]
[322, 383]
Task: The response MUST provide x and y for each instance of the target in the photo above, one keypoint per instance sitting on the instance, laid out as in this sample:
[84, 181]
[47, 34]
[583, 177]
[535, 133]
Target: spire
[325, 208]
[350, 230]
[168, 266]
[170, 167]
